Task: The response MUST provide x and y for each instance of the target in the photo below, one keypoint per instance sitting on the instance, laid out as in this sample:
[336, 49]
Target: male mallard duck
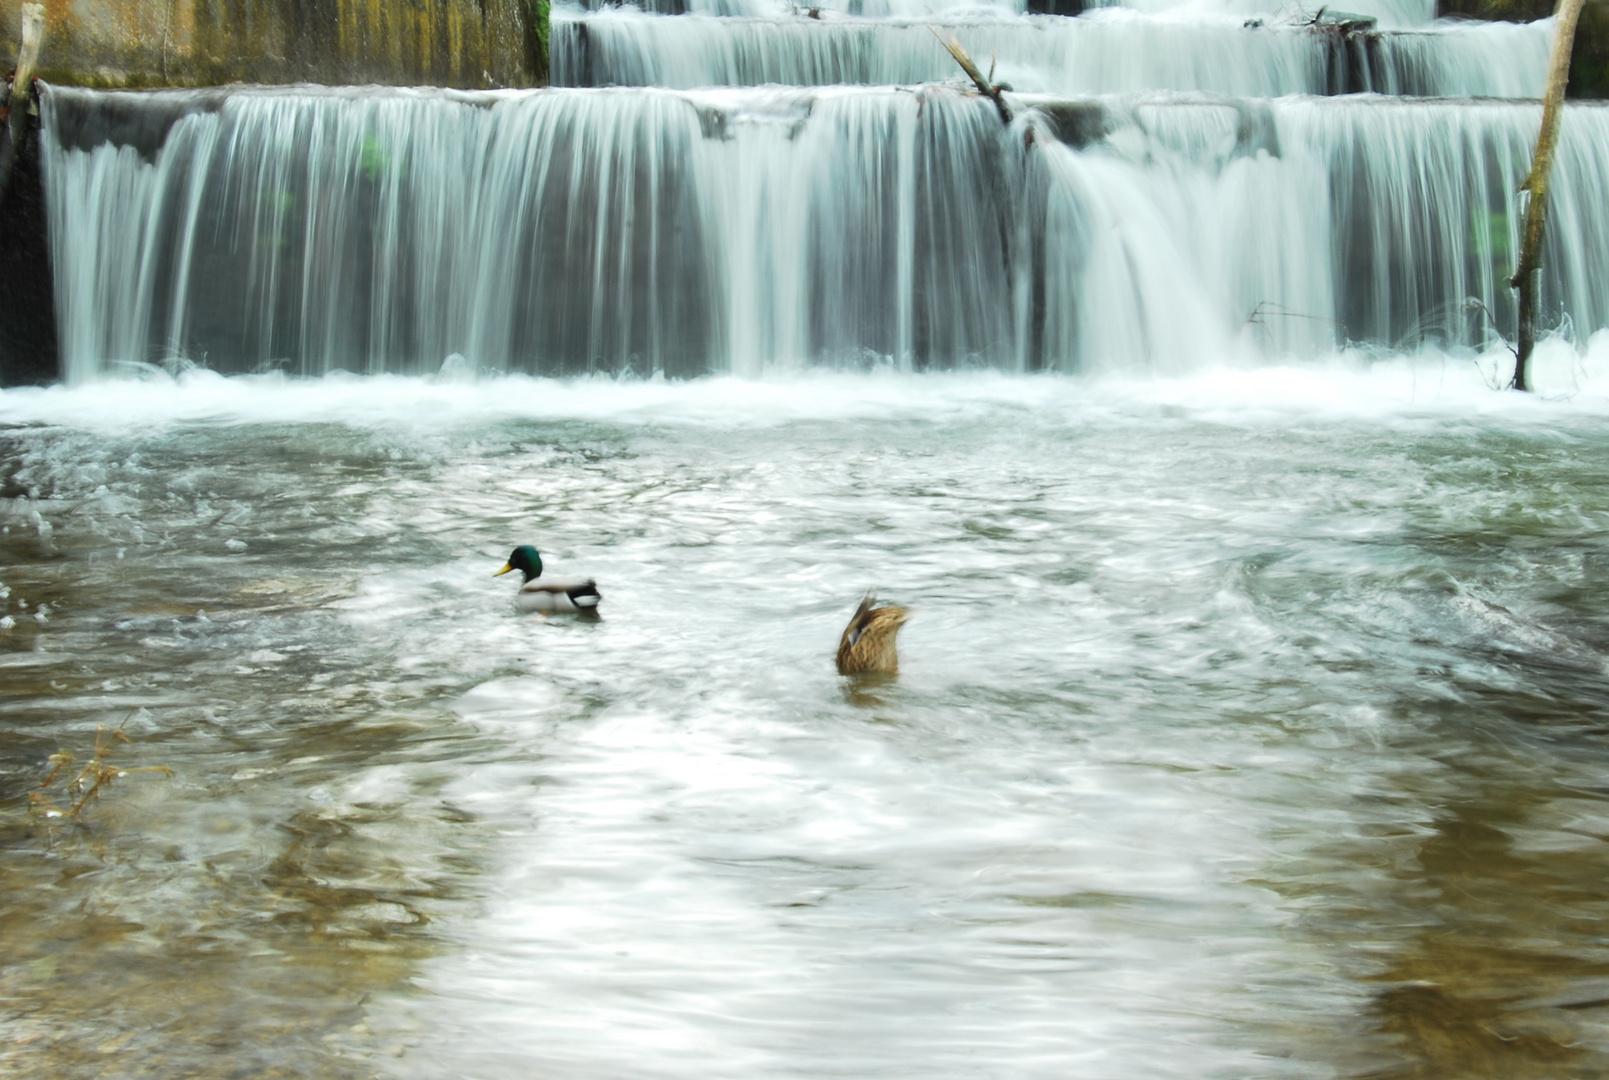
[868, 642]
[550, 596]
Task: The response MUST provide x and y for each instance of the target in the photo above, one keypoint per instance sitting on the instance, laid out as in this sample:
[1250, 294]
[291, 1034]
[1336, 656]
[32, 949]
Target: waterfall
[1111, 51]
[1180, 185]
[1307, 223]
[568, 230]
[1393, 13]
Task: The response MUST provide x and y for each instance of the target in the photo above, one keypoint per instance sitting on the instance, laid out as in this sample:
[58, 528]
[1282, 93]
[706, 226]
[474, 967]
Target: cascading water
[1112, 50]
[1389, 12]
[732, 229]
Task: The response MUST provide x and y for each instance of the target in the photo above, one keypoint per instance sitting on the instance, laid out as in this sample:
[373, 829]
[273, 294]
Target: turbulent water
[1251, 719]
[1249, 724]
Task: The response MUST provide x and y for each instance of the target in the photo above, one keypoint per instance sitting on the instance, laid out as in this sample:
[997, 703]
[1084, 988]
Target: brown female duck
[867, 644]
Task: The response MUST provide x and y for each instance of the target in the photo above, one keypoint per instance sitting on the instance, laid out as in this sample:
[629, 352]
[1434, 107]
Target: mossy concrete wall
[141, 43]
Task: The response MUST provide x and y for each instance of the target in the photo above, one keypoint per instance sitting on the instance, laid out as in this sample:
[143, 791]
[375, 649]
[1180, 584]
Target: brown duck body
[867, 644]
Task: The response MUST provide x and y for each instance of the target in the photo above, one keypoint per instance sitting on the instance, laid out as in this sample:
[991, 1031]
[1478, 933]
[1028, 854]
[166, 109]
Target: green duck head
[526, 559]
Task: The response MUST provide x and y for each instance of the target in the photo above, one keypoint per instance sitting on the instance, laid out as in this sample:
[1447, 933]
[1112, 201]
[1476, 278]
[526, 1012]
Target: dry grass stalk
[85, 787]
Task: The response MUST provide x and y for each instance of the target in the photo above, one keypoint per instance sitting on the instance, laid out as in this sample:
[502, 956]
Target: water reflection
[1226, 743]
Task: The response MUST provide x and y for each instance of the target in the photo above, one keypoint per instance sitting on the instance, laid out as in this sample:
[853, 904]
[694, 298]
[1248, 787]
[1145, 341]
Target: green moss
[375, 160]
[538, 15]
[1490, 236]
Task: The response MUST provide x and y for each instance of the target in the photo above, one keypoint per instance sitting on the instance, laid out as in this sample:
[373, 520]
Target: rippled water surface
[1251, 725]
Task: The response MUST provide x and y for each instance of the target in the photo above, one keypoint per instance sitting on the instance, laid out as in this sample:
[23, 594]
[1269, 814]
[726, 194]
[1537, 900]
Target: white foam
[1356, 383]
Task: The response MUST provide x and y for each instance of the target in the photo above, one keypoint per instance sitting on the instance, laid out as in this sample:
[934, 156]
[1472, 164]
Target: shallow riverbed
[1251, 724]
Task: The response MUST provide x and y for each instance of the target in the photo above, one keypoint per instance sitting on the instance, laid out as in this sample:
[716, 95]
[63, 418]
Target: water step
[1111, 51]
[1388, 13]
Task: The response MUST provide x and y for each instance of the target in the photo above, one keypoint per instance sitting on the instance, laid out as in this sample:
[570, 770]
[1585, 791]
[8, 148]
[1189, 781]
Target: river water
[1250, 723]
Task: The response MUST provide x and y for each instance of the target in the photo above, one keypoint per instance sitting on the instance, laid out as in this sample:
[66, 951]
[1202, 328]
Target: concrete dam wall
[149, 43]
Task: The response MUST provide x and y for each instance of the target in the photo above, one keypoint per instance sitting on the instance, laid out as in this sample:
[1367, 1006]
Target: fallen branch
[993, 91]
[1528, 271]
